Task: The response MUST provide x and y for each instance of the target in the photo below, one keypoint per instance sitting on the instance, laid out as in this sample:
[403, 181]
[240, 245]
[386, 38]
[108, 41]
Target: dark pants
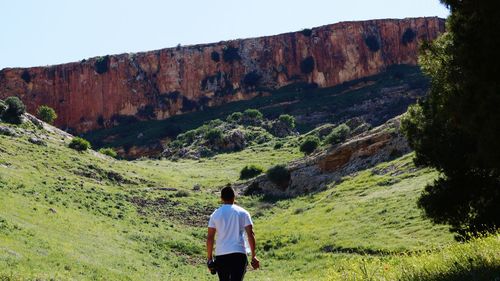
[231, 267]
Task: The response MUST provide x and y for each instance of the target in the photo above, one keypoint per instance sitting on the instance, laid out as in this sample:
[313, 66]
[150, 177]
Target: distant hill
[105, 91]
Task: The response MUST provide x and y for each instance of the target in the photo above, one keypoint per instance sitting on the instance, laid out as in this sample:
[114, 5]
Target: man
[230, 222]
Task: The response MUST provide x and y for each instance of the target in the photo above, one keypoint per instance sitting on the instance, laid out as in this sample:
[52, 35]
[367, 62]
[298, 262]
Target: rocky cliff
[101, 92]
[313, 173]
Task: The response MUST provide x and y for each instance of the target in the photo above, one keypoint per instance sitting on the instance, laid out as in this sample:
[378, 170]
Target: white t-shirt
[230, 222]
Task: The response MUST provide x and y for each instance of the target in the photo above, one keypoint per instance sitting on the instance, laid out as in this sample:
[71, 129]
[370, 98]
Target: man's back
[230, 221]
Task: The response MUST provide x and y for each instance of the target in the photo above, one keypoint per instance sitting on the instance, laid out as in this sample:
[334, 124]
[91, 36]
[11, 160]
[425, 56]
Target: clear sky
[44, 32]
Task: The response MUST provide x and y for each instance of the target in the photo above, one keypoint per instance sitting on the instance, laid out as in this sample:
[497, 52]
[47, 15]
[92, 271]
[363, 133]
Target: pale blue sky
[44, 32]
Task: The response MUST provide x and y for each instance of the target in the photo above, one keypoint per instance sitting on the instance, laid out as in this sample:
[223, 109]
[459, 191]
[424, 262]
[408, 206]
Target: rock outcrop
[315, 172]
[101, 92]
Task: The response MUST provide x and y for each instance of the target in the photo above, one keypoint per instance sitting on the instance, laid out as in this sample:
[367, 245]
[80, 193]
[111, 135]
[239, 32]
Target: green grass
[79, 215]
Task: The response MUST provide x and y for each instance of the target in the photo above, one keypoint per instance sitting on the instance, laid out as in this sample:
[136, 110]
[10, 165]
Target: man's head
[227, 194]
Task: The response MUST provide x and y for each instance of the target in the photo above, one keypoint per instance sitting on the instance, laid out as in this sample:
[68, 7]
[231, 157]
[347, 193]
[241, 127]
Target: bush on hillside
[101, 64]
[251, 79]
[15, 108]
[235, 117]
[215, 56]
[46, 114]
[79, 144]
[26, 76]
[250, 171]
[309, 144]
[287, 119]
[230, 54]
[306, 32]
[214, 135]
[108, 151]
[307, 65]
[372, 42]
[338, 135]
[279, 175]
[278, 145]
[408, 36]
[252, 117]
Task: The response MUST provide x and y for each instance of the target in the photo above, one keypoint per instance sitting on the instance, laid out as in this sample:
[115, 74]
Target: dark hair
[227, 193]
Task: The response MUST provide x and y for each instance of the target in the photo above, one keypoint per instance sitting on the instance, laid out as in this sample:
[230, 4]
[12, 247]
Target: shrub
[46, 114]
[101, 64]
[182, 193]
[278, 145]
[215, 56]
[251, 79]
[279, 175]
[372, 42]
[250, 171]
[338, 135]
[235, 117]
[79, 144]
[108, 151]
[306, 32]
[253, 114]
[213, 135]
[408, 36]
[307, 65]
[15, 108]
[309, 144]
[287, 119]
[230, 54]
[26, 76]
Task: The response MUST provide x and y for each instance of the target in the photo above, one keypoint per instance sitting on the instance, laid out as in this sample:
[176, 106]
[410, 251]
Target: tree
[46, 114]
[338, 134]
[15, 109]
[79, 144]
[250, 171]
[287, 119]
[456, 128]
[309, 144]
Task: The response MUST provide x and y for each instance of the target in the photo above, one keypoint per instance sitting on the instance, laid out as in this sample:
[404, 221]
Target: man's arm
[210, 243]
[251, 242]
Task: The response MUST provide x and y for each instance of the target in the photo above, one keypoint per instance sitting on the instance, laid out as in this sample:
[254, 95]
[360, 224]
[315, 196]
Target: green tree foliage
[456, 128]
[46, 114]
[309, 144]
[338, 135]
[79, 144]
[250, 171]
[235, 117]
[213, 135]
[287, 119]
[13, 111]
[279, 175]
[108, 151]
[252, 117]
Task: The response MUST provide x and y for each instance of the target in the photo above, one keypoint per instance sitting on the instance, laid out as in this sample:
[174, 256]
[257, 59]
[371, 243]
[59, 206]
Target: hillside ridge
[99, 92]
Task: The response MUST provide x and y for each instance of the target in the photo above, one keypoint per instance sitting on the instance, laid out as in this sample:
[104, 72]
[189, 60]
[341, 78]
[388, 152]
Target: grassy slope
[369, 219]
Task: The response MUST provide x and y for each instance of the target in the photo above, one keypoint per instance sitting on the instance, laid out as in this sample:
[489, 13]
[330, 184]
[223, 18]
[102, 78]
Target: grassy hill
[81, 215]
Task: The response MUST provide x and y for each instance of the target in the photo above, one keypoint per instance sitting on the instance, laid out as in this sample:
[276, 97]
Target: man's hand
[255, 263]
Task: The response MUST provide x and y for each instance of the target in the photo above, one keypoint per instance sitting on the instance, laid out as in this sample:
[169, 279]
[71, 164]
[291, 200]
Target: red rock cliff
[96, 92]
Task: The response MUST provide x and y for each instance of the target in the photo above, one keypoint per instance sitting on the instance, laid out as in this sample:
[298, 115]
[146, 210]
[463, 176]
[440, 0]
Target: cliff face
[101, 92]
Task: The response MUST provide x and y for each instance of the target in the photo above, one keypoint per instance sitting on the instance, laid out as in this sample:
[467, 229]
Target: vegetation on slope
[66, 214]
[395, 89]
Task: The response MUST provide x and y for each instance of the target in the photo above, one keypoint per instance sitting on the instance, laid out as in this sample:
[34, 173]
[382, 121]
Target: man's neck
[227, 203]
